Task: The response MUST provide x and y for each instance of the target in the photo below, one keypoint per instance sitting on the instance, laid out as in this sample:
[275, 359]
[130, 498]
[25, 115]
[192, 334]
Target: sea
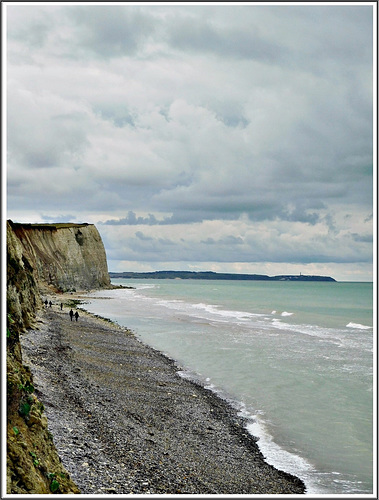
[296, 359]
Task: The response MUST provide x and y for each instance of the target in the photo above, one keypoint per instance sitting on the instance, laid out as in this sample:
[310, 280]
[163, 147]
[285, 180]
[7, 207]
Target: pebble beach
[125, 422]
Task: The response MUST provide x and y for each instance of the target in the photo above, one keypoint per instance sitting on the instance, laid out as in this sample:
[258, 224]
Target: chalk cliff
[33, 464]
[60, 257]
[23, 298]
[65, 256]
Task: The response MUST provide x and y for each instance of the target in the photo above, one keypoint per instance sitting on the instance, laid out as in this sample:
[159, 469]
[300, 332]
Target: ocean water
[295, 358]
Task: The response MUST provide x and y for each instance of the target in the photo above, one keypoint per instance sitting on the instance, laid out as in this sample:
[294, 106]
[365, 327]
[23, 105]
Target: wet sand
[124, 421]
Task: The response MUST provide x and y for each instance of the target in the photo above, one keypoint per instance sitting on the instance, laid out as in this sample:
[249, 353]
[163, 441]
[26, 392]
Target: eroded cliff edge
[64, 256]
[58, 257]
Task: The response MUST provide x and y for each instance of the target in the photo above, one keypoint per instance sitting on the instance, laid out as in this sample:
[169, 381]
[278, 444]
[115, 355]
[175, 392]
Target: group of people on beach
[71, 313]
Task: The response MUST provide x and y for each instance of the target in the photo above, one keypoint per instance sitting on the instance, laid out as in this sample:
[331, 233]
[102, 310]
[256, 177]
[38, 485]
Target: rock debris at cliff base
[124, 421]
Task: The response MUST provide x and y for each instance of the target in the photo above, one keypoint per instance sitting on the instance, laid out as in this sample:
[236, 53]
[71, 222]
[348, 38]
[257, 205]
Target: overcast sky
[232, 138]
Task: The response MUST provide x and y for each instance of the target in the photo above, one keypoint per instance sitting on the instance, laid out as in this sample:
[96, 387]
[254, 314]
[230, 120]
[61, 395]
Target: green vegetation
[52, 226]
[210, 275]
[74, 303]
[10, 322]
[25, 407]
[54, 486]
[36, 461]
[28, 387]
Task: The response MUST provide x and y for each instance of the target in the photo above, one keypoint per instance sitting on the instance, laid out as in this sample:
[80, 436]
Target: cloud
[43, 130]
[240, 241]
[206, 36]
[59, 218]
[143, 237]
[132, 219]
[108, 31]
[181, 122]
[227, 240]
[365, 238]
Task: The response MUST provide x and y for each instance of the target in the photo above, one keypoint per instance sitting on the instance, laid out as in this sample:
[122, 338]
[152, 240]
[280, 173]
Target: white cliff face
[23, 298]
[27, 432]
[66, 256]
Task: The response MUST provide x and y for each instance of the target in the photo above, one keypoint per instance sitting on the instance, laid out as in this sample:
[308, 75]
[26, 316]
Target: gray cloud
[118, 114]
[273, 247]
[186, 120]
[227, 240]
[29, 25]
[204, 36]
[143, 237]
[109, 31]
[364, 238]
[59, 218]
[132, 220]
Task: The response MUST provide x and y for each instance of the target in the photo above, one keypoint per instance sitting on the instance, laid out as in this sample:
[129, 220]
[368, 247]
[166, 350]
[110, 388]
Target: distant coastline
[210, 275]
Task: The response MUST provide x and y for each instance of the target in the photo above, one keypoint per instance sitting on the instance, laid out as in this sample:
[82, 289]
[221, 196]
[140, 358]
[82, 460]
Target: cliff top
[53, 226]
[65, 255]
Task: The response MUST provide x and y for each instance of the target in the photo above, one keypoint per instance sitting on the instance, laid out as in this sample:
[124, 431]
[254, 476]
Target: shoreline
[124, 420]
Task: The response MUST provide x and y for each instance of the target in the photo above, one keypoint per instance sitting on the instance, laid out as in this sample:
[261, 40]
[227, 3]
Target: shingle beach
[124, 421]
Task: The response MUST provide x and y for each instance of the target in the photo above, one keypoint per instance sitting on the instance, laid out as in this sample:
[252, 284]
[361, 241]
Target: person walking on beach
[50, 303]
[76, 316]
[61, 306]
[71, 314]
[46, 302]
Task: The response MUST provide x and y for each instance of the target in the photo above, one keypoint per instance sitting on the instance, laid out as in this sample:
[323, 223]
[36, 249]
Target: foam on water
[146, 287]
[282, 459]
[208, 311]
[358, 326]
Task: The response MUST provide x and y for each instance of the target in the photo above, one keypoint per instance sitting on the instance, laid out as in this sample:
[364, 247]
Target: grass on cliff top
[53, 225]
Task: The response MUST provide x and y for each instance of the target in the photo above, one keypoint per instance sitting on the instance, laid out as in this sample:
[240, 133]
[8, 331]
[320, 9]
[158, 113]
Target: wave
[259, 322]
[209, 311]
[146, 286]
[358, 326]
[282, 459]
[284, 313]
[274, 454]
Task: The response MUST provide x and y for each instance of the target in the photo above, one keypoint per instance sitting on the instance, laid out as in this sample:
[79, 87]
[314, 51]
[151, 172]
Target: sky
[225, 137]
